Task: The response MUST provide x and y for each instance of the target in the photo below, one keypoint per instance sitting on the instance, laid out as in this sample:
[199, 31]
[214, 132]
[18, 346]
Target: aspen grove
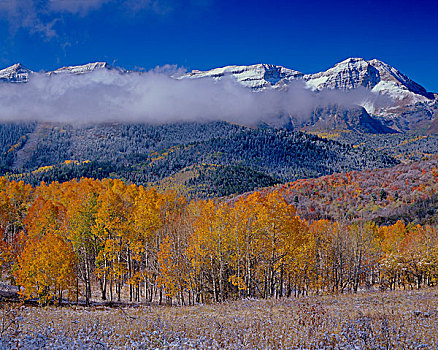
[86, 238]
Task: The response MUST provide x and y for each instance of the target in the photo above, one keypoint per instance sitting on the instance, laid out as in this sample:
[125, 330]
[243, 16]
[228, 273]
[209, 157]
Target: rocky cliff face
[353, 118]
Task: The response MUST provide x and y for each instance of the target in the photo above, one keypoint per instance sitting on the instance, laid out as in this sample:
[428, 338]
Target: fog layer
[154, 97]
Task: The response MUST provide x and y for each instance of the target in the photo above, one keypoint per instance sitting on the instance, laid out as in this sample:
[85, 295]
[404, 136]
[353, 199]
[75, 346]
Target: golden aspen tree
[109, 228]
[168, 278]
[197, 252]
[391, 239]
[246, 211]
[173, 211]
[320, 233]
[240, 242]
[46, 268]
[80, 218]
[206, 225]
[46, 264]
[281, 232]
[15, 200]
[418, 250]
[363, 251]
[146, 222]
[173, 276]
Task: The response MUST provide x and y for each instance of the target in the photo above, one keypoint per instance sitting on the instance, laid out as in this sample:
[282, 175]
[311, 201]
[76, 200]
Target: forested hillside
[13, 137]
[405, 192]
[145, 154]
[284, 154]
[116, 143]
[404, 147]
[209, 181]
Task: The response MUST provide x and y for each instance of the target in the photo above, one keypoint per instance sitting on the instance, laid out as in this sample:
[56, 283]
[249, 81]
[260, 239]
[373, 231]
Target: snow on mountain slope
[15, 74]
[413, 106]
[349, 74]
[82, 69]
[374, 75]
[257, 76]
[20, 74]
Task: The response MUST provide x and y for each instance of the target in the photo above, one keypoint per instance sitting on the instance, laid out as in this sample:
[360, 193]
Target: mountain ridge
[413, 107]
[272, 74]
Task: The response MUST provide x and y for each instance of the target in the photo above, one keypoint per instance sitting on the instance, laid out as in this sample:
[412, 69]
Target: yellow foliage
[46, 268]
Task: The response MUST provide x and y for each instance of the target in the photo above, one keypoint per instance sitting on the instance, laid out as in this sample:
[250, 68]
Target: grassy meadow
[376, 320]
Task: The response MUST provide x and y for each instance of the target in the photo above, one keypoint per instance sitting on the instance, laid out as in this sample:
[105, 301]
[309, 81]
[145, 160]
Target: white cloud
[76, 6]
[27, 14]
[154, 97]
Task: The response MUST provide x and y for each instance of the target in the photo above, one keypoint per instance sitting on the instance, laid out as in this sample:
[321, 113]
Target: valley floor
[376, 320]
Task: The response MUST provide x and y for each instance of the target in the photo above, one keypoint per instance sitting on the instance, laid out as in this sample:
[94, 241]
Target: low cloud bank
[154, 97]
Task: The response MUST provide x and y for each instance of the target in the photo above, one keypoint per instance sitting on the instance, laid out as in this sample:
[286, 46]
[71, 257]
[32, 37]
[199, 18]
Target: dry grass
[393, 320]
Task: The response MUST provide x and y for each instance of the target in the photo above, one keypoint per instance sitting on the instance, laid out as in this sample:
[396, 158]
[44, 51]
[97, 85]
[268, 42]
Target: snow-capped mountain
[351, 73]
[257, 76]
[374, 75]
[15, 74]
[18, 73]
[83, 69]
[413, 106]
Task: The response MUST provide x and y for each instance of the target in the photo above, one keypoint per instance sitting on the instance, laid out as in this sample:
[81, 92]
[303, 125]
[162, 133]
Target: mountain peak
[373, 74]
[376, 61]
[351, 73]
[85, 68]
[360, 60]
[16, 73]
[255, 76]
[15, 67]
[351, 60]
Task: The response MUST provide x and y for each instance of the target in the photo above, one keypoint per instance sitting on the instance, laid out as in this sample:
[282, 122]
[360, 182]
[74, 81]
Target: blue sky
[306, 35]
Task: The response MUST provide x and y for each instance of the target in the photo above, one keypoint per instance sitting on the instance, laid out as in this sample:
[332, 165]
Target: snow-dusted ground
[395, 320]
